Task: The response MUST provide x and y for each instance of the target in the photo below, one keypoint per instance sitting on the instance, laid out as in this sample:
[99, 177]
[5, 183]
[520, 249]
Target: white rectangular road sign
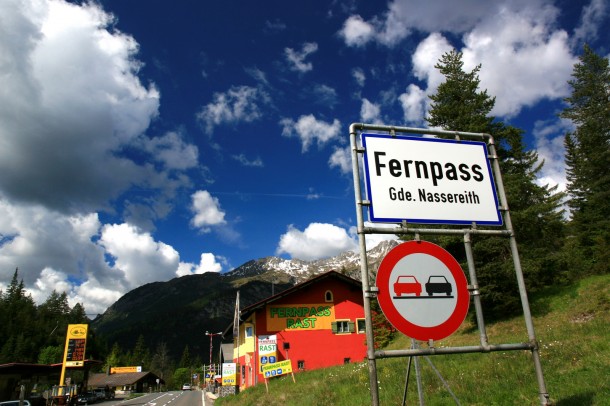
[429, 180]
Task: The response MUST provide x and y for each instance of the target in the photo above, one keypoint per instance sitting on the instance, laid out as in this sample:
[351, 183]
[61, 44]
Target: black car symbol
[438, 284]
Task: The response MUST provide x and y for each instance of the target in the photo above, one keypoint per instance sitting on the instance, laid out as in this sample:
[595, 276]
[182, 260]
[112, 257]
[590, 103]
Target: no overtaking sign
[422, 290]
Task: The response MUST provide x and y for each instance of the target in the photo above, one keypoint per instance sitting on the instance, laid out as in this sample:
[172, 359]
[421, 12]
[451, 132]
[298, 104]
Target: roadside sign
[229, 374]
[267, 350]
[76, 341]
[277, 369]
[422, 290]
[429, 180]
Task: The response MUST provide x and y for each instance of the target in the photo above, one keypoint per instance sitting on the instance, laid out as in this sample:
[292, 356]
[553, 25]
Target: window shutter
[333, 326]
[352, 327]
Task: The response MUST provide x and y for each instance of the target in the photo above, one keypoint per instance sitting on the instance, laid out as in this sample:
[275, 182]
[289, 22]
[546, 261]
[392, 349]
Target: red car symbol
[407, 284]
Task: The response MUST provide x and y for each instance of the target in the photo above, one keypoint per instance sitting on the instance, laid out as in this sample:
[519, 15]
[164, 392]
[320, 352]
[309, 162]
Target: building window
[301, 365]
[328, 296]
[343, 327]
[346, 360]
[249, 331]
[361, 326]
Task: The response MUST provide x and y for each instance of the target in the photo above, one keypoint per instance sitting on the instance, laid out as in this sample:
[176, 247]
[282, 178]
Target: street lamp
[211, 335]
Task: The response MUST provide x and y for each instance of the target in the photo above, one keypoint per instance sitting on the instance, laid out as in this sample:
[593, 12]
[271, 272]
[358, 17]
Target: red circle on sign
[384, 297]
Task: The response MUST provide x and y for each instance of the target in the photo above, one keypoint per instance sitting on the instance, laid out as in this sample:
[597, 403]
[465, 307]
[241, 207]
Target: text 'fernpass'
[427, 170]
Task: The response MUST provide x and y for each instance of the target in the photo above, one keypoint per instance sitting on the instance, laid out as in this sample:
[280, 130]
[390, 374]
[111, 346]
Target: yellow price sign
[76, 341]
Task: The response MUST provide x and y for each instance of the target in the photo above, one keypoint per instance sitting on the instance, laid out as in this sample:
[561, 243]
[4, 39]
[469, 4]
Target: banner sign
[125, 370]
[76, 341]
[300, 317]
[267, 350]
[277, 369]
[229, 374]
[429, 180]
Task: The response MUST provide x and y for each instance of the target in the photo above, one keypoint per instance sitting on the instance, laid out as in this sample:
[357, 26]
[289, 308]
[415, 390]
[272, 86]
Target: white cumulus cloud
[309, 130]
[317, 241]
[70, 99]
[207, 263]
[413, 102]
[524, 60]
[238, 104]
[172, 151]
[73, 113]
[341, 158]
[296, 59]
[137, 256]
[356, 31]
[207, 211]
[370, 112]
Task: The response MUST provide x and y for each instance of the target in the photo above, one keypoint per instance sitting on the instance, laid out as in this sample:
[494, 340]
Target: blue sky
[145, 140]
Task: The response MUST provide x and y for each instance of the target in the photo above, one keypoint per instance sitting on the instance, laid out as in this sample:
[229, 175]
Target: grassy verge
[571, 325]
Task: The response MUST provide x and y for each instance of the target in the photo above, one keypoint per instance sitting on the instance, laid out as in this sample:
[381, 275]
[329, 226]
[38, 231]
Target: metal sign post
[422, 180]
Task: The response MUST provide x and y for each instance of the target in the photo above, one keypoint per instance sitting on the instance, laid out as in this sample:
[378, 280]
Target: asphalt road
[175, 398]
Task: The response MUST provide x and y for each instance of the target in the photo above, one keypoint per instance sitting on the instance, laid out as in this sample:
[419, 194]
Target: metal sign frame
[403, 228]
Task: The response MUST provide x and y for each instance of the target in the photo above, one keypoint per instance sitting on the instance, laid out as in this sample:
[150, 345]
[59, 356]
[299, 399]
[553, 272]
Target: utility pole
[211, 335]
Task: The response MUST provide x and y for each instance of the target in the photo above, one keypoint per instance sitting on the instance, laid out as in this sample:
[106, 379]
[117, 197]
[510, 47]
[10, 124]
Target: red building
[315, 324]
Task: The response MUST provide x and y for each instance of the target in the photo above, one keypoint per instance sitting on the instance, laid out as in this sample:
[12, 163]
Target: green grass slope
[572, 326]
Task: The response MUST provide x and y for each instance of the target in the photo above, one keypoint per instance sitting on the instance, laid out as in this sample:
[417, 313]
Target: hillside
[572, 328]
[179, 311]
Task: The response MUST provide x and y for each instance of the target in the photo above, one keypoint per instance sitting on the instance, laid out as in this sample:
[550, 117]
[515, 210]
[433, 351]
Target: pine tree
[29, 333]
[588, 159]
[459, 105]
[19, 328]
[78, 315]
[140, 354]
[161, 362]
[185, 361]
[115, 358]
[56, 305]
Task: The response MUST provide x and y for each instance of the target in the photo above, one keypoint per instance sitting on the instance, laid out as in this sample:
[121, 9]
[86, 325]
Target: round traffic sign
[422, 290]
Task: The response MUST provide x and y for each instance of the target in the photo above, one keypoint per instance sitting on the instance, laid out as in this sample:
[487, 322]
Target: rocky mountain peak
[298, 270]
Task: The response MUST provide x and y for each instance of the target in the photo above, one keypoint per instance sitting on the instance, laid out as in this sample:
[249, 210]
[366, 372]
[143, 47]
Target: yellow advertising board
[229, 374]
[300, 317]
[76, 341]
[124, 370]
[277, 369]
